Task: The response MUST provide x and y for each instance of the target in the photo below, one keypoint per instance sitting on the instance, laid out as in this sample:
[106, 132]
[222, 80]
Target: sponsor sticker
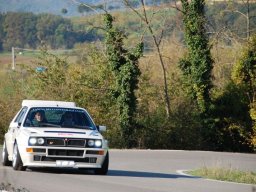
[65, 134]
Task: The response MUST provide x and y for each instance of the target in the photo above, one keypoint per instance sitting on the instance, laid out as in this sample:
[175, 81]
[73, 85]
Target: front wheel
[16, 159]
[104, 168]
[5, 160]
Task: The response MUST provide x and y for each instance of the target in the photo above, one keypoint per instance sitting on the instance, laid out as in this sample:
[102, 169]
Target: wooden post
[13, 58]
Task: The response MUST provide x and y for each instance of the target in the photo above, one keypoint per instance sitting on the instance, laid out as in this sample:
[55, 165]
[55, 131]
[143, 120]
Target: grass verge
[225, 174]
[7, 187]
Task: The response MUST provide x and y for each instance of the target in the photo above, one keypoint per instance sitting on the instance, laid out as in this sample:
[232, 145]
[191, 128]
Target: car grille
[84, 160]
[76, 142]
[64, 152]
[55, 142]
[65, 142]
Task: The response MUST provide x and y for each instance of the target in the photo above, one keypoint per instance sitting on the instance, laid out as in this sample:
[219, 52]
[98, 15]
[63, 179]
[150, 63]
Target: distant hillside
[55, 6]
[44, 6]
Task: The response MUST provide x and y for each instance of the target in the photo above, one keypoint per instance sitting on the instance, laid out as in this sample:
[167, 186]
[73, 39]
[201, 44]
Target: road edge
[182, 172]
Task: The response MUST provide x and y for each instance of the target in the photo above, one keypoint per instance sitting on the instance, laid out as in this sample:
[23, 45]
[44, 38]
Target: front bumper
[63, 157]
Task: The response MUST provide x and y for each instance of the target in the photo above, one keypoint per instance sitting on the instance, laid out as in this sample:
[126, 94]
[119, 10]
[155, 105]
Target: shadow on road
[146, 174]
[113, 173]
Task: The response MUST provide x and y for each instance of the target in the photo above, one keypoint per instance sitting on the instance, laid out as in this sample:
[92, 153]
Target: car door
[14, 129]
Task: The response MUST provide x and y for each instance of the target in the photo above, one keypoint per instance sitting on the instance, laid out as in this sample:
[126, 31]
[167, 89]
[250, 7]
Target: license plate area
[60, 163]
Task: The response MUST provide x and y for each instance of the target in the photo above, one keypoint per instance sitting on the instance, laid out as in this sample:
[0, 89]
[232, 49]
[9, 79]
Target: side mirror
[102, 128]
[15, 125]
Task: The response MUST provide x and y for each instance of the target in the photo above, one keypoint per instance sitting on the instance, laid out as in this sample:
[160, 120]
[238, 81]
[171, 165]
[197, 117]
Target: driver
[39, 118]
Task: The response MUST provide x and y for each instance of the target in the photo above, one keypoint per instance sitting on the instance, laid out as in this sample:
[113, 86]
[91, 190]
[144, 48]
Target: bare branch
[87, 5]
[236, 11]
[161, 37]
[128, 5]
[145, 18]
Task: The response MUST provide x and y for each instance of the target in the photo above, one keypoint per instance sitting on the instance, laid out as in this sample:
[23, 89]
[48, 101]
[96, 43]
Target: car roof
[45, 103]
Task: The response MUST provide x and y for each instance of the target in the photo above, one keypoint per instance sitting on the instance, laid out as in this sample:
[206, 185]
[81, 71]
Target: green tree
[2, 34]
[46, 28]
[64, 11]
[20, 30]
[198, 64]
[29, 30]
[232, 126]
[244, 76]
[65, 36]
[11, 95]
[124, 64]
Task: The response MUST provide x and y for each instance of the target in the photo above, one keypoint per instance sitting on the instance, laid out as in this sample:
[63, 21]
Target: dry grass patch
[225, 174]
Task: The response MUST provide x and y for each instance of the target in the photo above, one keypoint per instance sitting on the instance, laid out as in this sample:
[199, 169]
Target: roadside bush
[7, 187]
[11, 95]
[244, 77]
[233, 125]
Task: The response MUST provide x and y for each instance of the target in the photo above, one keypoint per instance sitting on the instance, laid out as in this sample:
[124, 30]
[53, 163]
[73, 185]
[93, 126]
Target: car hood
[62, 132]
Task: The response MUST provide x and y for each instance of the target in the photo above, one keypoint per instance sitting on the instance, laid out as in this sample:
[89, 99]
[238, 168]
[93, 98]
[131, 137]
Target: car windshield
[58, 117]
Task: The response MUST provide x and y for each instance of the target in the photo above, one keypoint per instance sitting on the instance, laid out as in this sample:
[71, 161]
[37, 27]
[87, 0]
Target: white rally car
[55, 134]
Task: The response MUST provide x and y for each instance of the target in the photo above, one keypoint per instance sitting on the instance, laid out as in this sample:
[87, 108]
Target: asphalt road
[137, 171]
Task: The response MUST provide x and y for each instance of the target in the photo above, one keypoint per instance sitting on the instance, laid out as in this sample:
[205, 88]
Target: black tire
[104, 168]
[5, 160]
[16, 159]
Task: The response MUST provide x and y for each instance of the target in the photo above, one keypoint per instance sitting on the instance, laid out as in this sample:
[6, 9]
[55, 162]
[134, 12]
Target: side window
[21, 115]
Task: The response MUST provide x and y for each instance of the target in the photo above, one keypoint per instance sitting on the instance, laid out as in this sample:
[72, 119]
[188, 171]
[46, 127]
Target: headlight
[91, 143]
[98, 143]
[94, 143]
[32, 141]
[36, 141]
[40, 141]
